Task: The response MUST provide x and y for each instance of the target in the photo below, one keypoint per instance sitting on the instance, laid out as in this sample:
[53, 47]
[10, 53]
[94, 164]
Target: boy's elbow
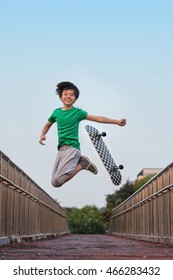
[99, 120]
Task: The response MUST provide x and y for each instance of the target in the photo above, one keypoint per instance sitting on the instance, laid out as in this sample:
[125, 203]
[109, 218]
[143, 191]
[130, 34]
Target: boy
[69, 160]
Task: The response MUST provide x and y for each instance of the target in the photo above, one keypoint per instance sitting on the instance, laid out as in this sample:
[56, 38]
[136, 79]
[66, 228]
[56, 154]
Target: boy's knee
[58, 182]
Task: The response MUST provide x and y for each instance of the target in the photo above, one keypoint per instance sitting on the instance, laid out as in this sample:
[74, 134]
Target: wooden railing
[26, 210]
[148, 213]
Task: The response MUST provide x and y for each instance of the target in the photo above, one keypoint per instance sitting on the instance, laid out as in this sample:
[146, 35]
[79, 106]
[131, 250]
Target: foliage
[138, 184]
[86, 220]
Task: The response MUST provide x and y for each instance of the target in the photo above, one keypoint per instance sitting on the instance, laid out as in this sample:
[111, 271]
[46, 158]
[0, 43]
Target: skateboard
[102, 150]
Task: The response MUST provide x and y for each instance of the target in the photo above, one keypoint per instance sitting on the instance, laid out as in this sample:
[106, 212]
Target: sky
[120, 56]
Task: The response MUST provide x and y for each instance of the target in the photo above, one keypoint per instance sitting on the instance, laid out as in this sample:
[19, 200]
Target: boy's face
[68, 97]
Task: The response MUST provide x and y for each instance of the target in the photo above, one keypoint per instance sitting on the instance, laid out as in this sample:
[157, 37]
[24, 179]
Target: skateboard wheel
[121, 167]
[103, 134]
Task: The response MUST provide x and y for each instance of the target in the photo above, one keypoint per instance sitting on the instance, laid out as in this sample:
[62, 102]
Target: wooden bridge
[27, 212]
[148, 213]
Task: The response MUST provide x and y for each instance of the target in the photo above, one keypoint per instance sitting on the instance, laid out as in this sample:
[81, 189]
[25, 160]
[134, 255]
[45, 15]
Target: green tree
[86, 220]
[138, 184]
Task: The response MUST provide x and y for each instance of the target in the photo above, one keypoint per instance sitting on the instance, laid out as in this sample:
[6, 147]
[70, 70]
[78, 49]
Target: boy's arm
[101, 119]
[45, 129]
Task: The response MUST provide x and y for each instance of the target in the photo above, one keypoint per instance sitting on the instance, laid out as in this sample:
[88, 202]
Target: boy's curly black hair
[67, 85]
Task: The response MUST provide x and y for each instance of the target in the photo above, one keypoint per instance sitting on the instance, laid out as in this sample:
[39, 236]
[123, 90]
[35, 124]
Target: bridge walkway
[86, 247]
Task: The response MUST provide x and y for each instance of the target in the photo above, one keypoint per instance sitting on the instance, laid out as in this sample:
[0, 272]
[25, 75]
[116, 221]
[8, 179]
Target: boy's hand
[42, 138]
[122, 122]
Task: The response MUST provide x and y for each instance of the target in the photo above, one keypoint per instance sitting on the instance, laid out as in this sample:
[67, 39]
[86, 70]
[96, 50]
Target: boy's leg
[65, 166]
[84, 163]
[66, 177]
[68, 163]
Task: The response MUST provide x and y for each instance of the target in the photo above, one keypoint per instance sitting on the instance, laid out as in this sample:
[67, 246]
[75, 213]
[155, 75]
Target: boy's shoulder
[56, 110]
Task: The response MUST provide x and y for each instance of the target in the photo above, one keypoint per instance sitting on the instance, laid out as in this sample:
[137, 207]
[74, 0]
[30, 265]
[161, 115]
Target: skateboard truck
[114, 168]
[99, 135]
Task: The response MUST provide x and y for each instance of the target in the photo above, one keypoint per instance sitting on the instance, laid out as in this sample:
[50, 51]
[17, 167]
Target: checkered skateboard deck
[104, 154]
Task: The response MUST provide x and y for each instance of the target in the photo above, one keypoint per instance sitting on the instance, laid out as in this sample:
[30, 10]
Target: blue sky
[119, 54]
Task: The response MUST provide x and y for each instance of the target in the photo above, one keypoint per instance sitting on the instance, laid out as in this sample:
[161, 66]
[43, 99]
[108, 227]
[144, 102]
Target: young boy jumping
[69, 160]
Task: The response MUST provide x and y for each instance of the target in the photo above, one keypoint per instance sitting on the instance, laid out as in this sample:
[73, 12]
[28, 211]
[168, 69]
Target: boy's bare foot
[88, 165]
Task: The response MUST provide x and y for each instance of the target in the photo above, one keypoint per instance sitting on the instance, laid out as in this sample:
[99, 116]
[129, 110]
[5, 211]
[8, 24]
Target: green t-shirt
[68, 125]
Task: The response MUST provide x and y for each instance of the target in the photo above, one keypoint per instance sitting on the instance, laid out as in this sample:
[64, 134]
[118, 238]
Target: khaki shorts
[65, 163]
